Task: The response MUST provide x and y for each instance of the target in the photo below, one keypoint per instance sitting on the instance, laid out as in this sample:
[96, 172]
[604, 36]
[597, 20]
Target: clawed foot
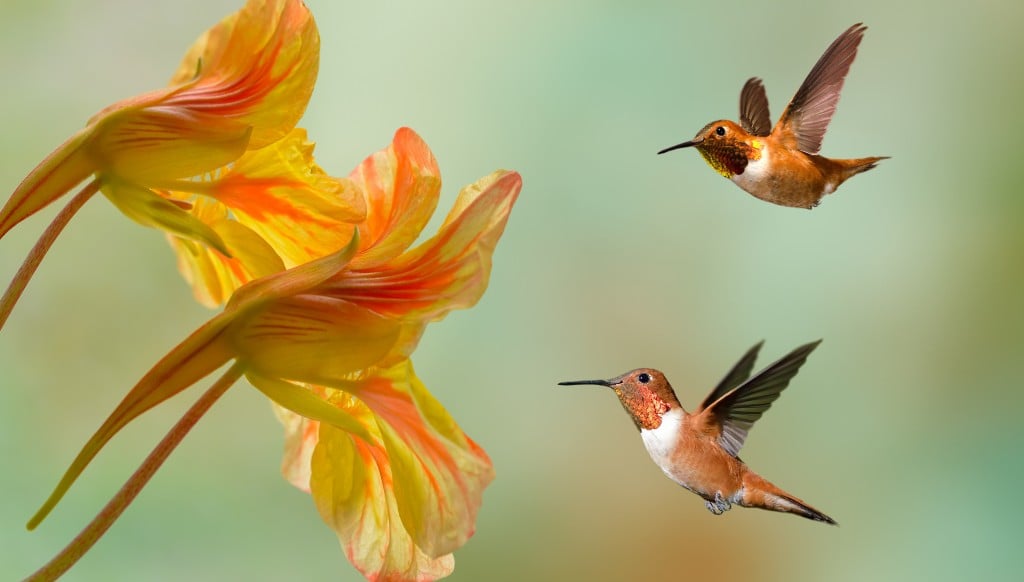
[720, 504]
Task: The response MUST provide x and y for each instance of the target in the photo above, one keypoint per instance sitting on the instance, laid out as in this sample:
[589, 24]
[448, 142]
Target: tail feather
[789, 504]
[858, 165]
[758, 492]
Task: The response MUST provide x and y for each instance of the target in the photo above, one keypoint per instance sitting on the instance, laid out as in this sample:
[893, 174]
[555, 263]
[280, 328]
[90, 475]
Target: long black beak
[680, 146]
[582, 382]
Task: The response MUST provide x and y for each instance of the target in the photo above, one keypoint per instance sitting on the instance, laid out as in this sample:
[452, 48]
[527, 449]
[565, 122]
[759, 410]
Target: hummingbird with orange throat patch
[782, 165]
[700, 450]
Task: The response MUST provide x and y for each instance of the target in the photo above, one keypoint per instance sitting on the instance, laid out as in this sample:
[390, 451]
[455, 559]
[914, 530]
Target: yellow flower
[242, 86]
[328, 342]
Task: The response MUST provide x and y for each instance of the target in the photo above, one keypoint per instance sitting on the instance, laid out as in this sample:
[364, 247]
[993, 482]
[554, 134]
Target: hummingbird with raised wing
[782, 165]
[699, 450]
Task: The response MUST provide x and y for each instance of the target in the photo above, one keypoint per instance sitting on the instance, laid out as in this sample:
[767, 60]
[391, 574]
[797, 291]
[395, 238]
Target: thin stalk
[116, 506]
[35, 256]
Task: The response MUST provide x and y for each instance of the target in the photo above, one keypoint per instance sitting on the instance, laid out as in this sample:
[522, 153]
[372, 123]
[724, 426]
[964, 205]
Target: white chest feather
[754, 173]
[661, 442]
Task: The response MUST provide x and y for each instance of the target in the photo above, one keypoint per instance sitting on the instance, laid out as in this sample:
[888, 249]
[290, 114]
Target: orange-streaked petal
[294, 281]
[257, 66]
[300, 437]
[312, 339]
[282, 195]
[351, 487]
[449, 271]
[159, 144]
[62, 170]
[190, 361]
[212, 275]
[439, 473]
[402, 184]
[149, 209]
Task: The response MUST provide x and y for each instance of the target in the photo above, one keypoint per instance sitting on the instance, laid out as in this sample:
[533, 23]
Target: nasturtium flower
[328, 341]
[242, 87]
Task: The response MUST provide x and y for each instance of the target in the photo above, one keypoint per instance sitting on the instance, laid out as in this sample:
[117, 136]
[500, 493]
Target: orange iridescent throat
[643, 405]
[728, 159]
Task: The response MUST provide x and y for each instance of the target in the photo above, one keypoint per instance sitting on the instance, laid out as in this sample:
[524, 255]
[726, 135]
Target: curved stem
[116, 506]
[35, 256]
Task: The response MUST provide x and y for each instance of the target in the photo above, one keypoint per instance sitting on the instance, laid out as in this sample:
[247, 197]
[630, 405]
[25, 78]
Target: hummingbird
[700, 450]
[782, 165]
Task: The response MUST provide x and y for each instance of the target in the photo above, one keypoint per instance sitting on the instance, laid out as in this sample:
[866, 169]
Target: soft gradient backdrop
[904, 425]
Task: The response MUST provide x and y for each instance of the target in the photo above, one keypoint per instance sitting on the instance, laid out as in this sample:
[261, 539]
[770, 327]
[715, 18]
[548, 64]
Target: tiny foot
[719, 505]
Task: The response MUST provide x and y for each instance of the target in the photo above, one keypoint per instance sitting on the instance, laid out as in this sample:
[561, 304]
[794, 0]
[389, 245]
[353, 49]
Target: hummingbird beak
[680, 146]
[606, 383]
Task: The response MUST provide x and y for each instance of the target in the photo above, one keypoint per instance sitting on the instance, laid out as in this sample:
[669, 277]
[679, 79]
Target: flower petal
[350, 480]
[158, 144]
[449, 271]
[403, 499]
[297, 280]
[300, 438]
[439, 473]
[312, 339]
[257, 66]
[62, 170]
[282, 195]
[148, 209]
[212, 275]
[302, 400]
[402, 184]
[358, 504]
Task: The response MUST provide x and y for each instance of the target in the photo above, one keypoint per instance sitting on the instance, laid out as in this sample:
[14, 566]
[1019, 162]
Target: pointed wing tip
[810, 111]
[755, 115]
[851, 37]
[854, 32]
[754, 351]
[806, 349]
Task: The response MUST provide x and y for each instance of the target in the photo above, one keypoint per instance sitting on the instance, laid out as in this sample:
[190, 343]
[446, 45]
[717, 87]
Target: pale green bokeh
[904, 425]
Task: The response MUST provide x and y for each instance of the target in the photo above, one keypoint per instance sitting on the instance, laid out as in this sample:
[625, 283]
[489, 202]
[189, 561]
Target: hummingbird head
[725, 146]
[645, 394]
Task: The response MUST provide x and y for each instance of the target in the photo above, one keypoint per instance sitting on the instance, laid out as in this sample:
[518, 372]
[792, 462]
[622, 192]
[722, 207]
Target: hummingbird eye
[643, 378]
[720, 130]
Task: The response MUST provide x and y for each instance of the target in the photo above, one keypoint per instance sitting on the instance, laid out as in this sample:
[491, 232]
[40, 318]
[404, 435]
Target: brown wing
[807, 116]
[736, 376]
[738, 410]
[754, 116]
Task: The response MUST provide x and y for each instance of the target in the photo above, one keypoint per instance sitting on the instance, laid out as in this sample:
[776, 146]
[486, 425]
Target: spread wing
[736, 376]
[737, 410]
[754, 116]
[807, 116]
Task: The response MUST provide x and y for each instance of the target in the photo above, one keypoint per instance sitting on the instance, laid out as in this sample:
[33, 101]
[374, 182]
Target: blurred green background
[904, 425]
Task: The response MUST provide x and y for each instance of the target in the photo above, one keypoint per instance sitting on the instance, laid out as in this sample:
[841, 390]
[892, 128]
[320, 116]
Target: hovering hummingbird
[699, 450]
[782, 165]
